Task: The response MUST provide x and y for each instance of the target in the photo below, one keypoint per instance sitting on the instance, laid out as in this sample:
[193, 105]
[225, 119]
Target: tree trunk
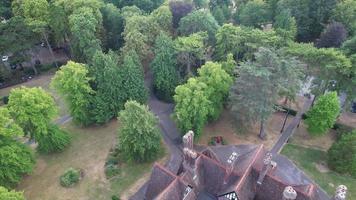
[50, 49]
[262, 130]
[285, 120]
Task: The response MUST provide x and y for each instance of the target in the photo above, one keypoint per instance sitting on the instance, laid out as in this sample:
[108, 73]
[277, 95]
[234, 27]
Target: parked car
[5, 58]
[353, 107]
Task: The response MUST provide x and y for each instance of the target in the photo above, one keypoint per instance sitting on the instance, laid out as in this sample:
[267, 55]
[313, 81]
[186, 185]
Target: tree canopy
[322, 116]
[78, 97]
[139, 136]
[10, 194]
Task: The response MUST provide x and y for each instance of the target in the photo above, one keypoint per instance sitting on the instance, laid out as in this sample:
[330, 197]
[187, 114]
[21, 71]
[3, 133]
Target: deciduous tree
[10, 194]
[199, 20]
[254, 13]
[333, 36]
[192, 106]
[345, 12]
[113, 23]
[72, 82]
[139, 136]
[179, 9]
[323, 114]
[83, 25]
[341, 155]
[190, 49]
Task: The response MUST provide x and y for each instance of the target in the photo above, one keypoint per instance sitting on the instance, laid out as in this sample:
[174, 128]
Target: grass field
[88, 151]
[307, 159]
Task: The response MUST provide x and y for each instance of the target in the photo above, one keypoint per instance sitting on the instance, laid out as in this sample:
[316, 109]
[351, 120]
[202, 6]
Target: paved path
[62, 120]
[288, 132]
[169, 130]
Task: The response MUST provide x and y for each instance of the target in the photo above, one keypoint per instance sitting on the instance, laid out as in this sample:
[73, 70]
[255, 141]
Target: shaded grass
[306, 158]
[131, 171]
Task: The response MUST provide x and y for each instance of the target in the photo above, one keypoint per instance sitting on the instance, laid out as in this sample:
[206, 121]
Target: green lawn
[306, 158]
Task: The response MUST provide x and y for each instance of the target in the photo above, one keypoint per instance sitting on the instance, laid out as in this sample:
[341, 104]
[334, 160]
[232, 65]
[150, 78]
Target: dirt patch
[348, 119]
[303, 138]
[225, 127]
[321, 167]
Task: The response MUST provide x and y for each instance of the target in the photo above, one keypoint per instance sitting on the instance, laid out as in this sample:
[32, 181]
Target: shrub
[56, 140]
[5, 99]
[70, 177]
[333, 36]
[341, 155]
[114, 197]
[10, 194]
[111, 170]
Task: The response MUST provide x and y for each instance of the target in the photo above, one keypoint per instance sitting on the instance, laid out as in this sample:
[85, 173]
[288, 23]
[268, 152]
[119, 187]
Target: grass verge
[307, 158]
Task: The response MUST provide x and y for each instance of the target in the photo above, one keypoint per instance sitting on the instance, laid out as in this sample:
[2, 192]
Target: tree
[146, 5]
[227, 40]
[140, 34]
[10, 194]
[56, 140]
[190, 49]
[341, 155]
[113, 23]
[333, 36]
[83, 25]
[254, 13]
[349, 46]
[192, 106]
[218, 83]
[243, 42]
[17, 37]
[201, 3]
[5, 9]
[259, 86]
[230, 65]
[72, 82]
[332, 69]
[109, 92]
[310, 16]
[323, 114]
[179, 9]
[199, 20]
[163, 17]
[285, 25]
[139, 136]
[164, 68]
[8, 127]
[32, 109]
[36, 13]
[133, 81]
[16, 161]
[345, 12]
[219, 15]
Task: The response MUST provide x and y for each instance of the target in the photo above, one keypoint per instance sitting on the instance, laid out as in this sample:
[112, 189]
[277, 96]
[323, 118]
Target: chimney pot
[289, 193]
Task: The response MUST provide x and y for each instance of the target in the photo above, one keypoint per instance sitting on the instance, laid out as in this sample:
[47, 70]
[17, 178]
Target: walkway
[288, 132]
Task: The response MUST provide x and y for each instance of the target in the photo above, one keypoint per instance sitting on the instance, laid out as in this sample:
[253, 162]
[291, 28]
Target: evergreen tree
[133, 80]
[164, 68]
[113, 23]
[254, 13]
[323, 114]
[139, 136]
[109, 92]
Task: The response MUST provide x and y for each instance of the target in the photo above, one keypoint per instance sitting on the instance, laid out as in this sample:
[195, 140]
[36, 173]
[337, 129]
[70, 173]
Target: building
[233, 172]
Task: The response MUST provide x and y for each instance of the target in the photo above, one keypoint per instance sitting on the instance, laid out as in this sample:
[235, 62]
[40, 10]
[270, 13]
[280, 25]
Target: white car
[5, 58]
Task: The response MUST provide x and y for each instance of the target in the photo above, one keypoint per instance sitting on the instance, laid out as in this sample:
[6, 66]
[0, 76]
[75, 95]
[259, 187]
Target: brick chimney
[188, 140]
[340, 193]
[268, 164]
[190, 156]
[289, 193]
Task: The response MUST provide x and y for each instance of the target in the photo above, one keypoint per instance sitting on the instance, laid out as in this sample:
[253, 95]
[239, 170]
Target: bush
[341, 155]
[114, 197]
[111, 170]
[56, 140]
[5, 99]
[70, 177]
